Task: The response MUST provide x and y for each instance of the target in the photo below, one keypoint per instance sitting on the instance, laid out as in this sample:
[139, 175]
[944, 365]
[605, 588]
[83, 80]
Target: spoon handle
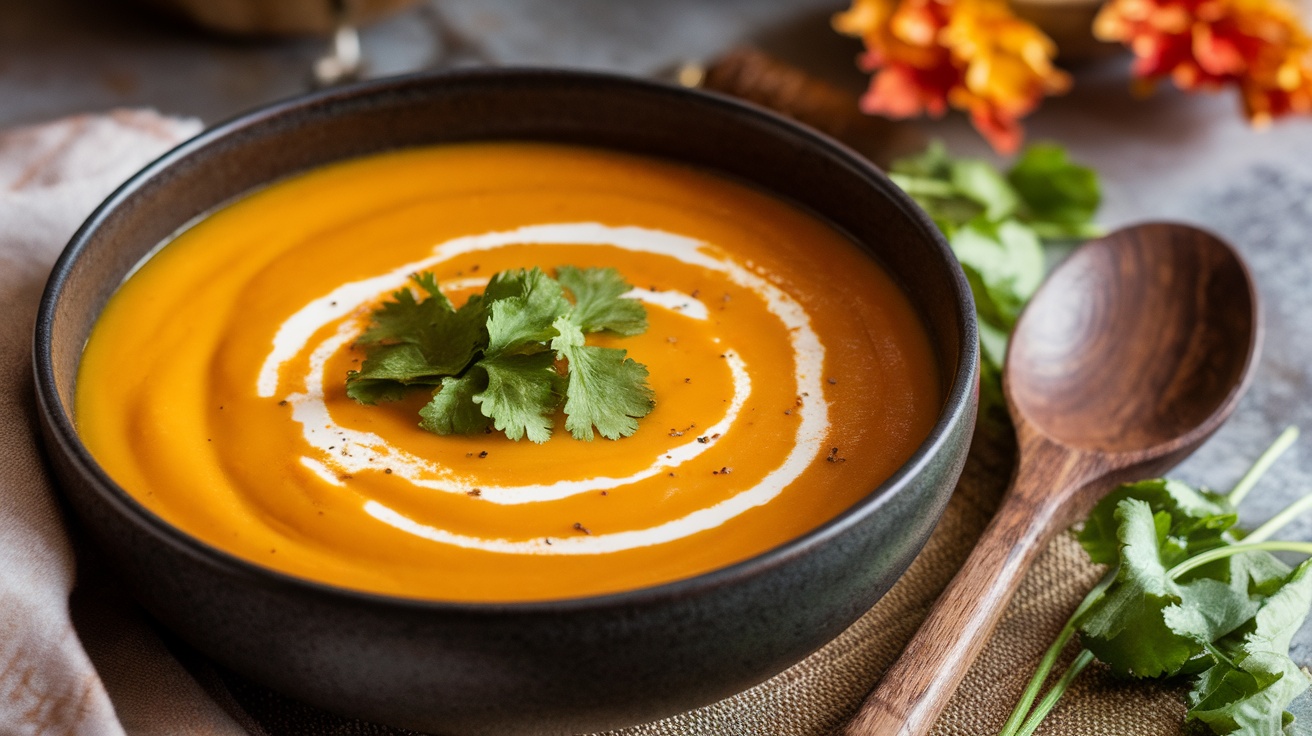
[917, 687]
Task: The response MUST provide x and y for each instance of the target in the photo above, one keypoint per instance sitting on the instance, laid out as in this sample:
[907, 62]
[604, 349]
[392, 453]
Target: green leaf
[1190, 594]
[404, 319]
[1253, 679]
[492, 361]
[993, 343]
[607, 390]
[1281, 614]
[415, 342]
[1199, 520]
[933, 162]
[523, 305]
[1004, 264]
[996, 224]
[522, 394]
[1209, 609]
[1058, 195]
[1125, 628]
[1199, 516]
[1146, 624]
[928, 179]
[372, 391]
[983, 184]
[404, 363]
[599, 303]
[453, 409]
[1260, 573]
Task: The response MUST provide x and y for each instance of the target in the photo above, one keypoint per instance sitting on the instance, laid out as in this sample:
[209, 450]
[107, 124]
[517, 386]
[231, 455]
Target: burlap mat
[819, 695]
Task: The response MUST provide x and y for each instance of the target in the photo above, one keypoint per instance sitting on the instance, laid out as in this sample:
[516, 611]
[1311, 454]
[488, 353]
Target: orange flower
[1258, 46]
[973, 55]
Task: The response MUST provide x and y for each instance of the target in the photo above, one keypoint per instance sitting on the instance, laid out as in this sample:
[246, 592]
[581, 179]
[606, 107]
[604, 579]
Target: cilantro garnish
[1252, 679]
[510, 356]
[997, 224]
[1188, 595]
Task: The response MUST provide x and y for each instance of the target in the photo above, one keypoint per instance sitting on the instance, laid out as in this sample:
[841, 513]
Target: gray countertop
[1171, 156]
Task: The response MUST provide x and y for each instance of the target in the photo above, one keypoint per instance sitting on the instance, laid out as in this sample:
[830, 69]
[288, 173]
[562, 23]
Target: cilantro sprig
[1188, 594]
[997, 224]
[508, 358]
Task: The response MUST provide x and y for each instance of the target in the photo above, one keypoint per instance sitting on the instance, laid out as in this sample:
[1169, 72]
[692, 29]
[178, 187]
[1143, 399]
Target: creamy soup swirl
[349, 447]
[791, 377]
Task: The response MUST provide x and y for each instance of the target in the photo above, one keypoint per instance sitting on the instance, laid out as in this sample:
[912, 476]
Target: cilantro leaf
[1190, 594]
[1253, 679]
[505, 284]
[1281, 615]
[413, 342]
[1146, 624]
[606, 389]
[403, 363]
[984, 185]
[1199, 520]
[404, 319]
[1260, 573]
[1125, 628]
[493, 360]
[1059, 197]
[1196, 514]
[453, 409]
[932, 163]
[1004, 264]
[1208, 610]
[522, 394]
[597, 300]
[996, 225]
[370, 391]
[523, 305]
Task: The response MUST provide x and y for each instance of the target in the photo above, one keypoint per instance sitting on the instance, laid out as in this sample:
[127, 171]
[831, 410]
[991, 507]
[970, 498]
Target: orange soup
[791, 377]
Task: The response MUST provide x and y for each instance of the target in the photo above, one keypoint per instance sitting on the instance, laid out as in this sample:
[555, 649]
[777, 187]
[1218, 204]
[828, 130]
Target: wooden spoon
[1133, 352]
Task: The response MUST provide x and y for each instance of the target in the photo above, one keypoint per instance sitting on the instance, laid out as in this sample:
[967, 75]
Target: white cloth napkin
[98, 670]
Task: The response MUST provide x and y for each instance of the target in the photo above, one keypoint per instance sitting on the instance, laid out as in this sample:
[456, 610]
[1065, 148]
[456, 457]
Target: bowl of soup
[807, 358]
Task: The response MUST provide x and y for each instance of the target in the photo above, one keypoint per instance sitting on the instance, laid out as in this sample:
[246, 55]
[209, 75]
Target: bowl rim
[958, 404]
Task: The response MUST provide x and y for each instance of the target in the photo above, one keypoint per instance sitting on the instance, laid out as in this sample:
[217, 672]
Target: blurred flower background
[981, 57]
[974, 55]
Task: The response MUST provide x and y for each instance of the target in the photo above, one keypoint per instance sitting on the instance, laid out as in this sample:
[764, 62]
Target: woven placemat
[819, 695]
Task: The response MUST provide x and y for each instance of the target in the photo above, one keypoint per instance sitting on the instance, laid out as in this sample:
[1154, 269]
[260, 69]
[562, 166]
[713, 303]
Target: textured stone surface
[1171, 156]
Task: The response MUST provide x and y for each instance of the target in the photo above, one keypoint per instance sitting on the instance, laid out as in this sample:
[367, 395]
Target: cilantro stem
[1220, 553]
[1212, 650]
[1049, 701]
[1277, 522]
[1255, 473]
[1013, 724]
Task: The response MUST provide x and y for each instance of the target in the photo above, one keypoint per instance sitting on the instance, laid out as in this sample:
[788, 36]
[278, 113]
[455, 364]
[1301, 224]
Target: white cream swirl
[343, 451]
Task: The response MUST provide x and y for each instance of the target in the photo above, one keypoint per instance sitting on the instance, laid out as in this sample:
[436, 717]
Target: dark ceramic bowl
[523, 668]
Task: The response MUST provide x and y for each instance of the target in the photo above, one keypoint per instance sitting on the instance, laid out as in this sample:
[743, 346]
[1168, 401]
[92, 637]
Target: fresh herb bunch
[997, 222]
[509, 356]
[1189, 594]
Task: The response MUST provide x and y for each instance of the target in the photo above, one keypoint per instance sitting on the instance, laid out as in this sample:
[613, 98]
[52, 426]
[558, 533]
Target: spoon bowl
[1140, 340]
[1133, 352]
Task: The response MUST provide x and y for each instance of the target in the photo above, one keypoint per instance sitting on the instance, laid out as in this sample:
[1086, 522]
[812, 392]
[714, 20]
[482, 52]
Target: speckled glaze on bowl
[527, 668]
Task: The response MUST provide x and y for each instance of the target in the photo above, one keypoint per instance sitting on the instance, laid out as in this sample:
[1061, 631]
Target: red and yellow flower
[973, 55]
[1259, 46]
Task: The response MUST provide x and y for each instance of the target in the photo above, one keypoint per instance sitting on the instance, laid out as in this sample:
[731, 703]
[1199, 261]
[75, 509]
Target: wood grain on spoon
[1133, 352]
